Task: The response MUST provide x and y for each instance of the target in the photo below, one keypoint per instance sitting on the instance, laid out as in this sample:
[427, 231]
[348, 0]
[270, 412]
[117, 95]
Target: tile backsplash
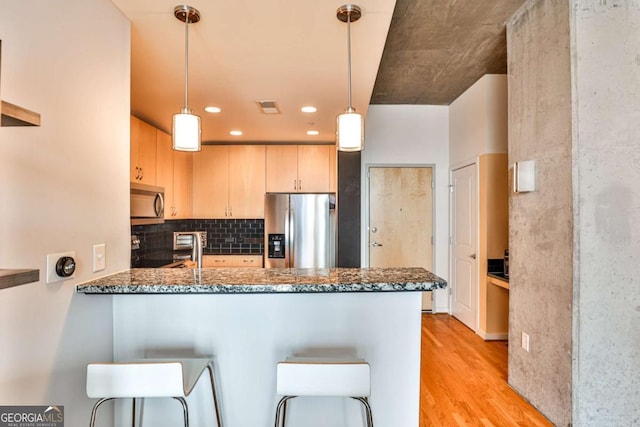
[224, 236]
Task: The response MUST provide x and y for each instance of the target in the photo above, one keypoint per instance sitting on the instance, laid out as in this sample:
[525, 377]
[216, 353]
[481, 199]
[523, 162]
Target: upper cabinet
[173, 172]
[143, 152]
[299, 168]
[229, 182]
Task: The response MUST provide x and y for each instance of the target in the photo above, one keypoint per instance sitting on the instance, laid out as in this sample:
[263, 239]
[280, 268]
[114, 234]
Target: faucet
[196, 253]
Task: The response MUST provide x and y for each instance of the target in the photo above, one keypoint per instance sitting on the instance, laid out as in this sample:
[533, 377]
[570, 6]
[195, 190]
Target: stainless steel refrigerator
[299, 230]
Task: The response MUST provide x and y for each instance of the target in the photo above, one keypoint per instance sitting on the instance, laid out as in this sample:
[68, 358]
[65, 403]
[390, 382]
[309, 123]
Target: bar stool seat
[323, 376]
[175, 378]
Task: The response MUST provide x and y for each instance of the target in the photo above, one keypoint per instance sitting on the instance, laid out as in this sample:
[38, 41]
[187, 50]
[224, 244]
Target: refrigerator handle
[292, 238]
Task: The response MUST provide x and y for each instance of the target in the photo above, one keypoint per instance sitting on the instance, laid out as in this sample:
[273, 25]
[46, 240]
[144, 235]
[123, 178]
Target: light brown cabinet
[173, 171]
[229, 182]
[182, 174]
[143, 152]
[246, 261]
[299, 168]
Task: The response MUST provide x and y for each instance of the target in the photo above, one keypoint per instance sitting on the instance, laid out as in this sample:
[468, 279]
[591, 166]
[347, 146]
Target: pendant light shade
[186, 126]
[350, 134]
[186, 131]
[349, 125]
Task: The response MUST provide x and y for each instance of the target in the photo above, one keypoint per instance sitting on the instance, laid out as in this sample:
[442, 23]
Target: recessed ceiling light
[308, 109]
[313, 132]
[235, 132]
[212, 109]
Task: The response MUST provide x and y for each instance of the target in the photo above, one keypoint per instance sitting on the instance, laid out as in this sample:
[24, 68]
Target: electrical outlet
[99, 257]
[52, 259]
[525, 341]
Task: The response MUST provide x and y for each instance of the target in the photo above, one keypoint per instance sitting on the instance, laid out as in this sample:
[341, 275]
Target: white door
[464, 232]
[401, 219]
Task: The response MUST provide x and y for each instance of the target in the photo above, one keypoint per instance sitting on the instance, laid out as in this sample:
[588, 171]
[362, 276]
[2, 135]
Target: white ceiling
[243, 51]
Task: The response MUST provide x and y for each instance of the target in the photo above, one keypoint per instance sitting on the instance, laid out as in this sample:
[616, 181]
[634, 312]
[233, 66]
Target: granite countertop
[262, 280]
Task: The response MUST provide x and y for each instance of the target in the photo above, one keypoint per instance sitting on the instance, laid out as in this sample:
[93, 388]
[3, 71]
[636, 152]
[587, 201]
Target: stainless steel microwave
[147, 204]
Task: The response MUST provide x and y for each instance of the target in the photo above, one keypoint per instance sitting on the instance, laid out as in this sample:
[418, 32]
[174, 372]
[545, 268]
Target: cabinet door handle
[295, 184]
[230, 211]
[299, 184]
[141, 173]
[226, 211]
[472, 256]
[247, 260]
[376, 244]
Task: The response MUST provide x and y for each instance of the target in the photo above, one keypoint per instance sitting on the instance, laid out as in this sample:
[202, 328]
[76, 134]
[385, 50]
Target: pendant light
[350, 125]
[186, 126]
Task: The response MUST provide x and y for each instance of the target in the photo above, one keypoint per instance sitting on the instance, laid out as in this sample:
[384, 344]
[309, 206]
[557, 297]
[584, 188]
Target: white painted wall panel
[63, 186]
[413, 134]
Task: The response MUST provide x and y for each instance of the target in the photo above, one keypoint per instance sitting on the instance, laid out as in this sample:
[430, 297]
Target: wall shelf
[14, 115]
[11, 277]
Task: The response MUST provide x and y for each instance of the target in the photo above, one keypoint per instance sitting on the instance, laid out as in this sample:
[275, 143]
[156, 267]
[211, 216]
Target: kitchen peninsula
[249, 319]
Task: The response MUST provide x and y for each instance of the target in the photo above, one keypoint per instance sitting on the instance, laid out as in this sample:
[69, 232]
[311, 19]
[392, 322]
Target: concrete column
[574, 88]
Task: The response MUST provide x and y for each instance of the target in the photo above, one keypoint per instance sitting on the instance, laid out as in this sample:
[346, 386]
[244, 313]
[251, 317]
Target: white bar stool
[307, 376]
[173, 378]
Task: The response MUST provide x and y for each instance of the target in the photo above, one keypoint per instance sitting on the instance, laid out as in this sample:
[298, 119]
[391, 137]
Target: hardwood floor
[464, 379]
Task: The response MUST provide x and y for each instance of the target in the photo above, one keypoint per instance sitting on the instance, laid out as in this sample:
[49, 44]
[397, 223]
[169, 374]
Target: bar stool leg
[215, 395]
[367, 408]
[184, 409]
[95, 410]
[282, 407]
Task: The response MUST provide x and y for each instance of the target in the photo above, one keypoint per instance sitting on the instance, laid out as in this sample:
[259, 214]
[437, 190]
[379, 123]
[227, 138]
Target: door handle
[374, 229]
[376, 244]
[472, 256]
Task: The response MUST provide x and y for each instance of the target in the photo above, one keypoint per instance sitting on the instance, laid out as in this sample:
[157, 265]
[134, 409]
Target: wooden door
[164, 172]
[211, 182]
[182, 188]
[281, 168]
[246, 181]
[314, 168]
[401, 218]
[464, 232]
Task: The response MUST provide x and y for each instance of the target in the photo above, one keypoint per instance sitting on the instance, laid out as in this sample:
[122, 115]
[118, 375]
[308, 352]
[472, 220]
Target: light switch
[99, 257]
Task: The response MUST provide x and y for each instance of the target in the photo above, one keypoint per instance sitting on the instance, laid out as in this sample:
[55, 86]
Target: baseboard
[494, 336]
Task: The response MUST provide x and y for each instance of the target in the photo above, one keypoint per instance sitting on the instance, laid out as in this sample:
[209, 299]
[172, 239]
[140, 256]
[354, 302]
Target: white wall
[479, 120]
[413, 134]
[63, 186]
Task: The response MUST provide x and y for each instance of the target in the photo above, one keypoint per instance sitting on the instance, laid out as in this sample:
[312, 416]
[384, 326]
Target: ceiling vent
[268, 107]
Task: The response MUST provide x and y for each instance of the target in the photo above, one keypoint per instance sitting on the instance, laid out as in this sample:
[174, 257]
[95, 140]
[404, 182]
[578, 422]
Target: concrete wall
[406, 135]
[606, 70]
[63, 186]
[541, 222]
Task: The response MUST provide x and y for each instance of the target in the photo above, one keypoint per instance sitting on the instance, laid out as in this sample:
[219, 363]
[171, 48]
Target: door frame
[365, 240]
[453, 168]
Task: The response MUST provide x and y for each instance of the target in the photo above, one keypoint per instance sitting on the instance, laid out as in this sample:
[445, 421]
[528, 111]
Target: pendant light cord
[349, 54]
[186, 62]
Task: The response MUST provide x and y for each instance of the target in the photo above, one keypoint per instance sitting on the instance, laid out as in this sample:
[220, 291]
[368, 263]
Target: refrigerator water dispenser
[276, 245]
